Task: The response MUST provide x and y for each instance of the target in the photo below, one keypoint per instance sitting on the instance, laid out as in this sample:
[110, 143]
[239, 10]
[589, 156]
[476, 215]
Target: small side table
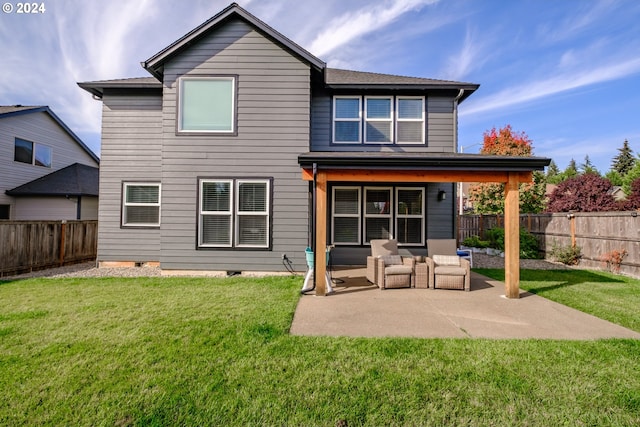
[422, 275]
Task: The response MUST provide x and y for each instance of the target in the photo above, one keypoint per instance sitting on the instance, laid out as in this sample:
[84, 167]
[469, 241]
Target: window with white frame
[410, 120]
[410, 215]
[234, 213]
[346, 119]
[32, 153]
[345, 216]
[380, 213]
[378, 113]
[377, 214]
[379, 119]
[207, 104]
[141, 204]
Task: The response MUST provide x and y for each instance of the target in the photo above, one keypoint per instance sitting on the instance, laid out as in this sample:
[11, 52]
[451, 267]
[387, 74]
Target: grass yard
[202, 351]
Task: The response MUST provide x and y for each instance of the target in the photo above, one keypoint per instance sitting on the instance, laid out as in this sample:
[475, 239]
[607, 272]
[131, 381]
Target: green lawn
[184, 351]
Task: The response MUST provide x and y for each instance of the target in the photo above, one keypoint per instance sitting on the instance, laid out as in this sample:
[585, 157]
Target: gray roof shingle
[74, 180]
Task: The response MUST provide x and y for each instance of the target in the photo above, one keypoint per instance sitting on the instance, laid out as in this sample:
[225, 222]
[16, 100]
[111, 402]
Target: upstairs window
[141, 204]
[207, 105]
[32, 153]
[379, 120]
[346, 119]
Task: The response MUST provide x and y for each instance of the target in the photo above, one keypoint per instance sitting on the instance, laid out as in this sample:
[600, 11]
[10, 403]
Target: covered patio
[412, 167]
[359, 309]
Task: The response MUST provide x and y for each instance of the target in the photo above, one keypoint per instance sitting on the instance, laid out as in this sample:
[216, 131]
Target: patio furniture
[421, 272]
[394, 271]
[386, 268]
[449, 272]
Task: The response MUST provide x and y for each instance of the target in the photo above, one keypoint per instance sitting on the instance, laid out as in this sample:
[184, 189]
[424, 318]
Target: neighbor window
[141, 204]
[5, 211]
[382, 213]
[207, 104]
[234, 213]
[32, 153]
[346, 119]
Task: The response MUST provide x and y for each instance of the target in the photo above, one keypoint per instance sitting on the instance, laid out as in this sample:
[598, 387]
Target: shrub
[528, 242]
[613, 259]
[569, 255]
[475, 242]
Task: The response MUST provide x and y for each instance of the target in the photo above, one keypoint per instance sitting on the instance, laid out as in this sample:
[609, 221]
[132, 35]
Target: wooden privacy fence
[34, 245]
[596, 233]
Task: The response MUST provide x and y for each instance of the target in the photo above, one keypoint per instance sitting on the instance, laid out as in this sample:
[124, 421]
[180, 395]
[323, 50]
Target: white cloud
[356, 24]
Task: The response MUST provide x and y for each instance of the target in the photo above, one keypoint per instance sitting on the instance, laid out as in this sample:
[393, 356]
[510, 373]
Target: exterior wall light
[442, 195]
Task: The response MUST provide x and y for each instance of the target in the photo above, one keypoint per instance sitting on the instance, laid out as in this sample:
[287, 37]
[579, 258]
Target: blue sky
[565, 72]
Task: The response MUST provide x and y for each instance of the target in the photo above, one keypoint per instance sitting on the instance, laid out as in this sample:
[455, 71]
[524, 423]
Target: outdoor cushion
[383, 247]
[392, 260]
[398, 269]
[450, 270]
[446, 260]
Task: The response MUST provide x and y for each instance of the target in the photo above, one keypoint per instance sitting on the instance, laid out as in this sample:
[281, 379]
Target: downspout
[313, 227]
[455, 138]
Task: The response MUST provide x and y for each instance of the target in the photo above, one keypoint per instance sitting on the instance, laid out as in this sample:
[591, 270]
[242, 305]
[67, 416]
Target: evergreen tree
[553, 173]
[624, 161]
[588, 167]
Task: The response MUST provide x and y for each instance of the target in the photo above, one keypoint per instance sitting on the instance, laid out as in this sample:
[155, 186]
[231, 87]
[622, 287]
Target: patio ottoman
[422, 275]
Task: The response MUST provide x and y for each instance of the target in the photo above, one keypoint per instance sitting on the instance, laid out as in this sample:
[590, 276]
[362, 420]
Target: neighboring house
[617, 192]
[46, 171]
[221, 158]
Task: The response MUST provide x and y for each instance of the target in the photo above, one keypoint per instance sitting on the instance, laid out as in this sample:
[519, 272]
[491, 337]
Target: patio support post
[512, 236]
[321, 234]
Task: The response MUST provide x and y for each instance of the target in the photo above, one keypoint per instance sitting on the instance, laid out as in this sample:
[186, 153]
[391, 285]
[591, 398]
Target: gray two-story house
[242, 147]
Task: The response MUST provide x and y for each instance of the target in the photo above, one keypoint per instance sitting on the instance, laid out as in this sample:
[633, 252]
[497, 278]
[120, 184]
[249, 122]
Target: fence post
[481, 227]
[572, 222]
[63, 234]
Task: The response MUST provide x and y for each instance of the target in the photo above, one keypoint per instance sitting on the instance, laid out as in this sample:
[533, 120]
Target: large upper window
[382, 213]
[207, 104]
[141, 204]
[234, 213]
[32, 153]
[379, 120]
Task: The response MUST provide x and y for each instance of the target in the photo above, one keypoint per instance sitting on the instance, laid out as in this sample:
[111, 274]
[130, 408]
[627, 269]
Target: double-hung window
[140, 204]
[378, 113]
[207, 105]
[380, 213]
[234, 213]
[346, 119]
[410, 120]
[32, 153]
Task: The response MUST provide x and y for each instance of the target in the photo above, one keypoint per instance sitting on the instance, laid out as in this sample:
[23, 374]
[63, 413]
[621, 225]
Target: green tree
[629, 177]
[615, 177]
[553, 173]
[588, 167]
[488, 198]
[624, 161]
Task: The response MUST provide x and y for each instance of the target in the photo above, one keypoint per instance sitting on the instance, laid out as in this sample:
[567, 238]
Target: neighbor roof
[155, 64]
[74, 180]
[16, 110]
[97, 88]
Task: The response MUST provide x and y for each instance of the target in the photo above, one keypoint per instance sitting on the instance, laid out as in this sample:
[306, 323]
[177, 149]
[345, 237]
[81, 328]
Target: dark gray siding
[440, 128]
[273, 97]
[131, 151]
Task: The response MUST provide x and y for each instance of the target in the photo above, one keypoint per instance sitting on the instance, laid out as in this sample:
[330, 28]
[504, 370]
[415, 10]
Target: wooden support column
[321, 234]
[512, 237]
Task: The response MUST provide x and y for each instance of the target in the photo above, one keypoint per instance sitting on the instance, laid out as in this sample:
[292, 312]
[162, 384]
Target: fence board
[596, 233]
[34, 245]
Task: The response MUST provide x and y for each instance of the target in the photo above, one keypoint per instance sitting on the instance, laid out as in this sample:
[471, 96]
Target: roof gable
[155, 64]
[17, 110]
[74, 180]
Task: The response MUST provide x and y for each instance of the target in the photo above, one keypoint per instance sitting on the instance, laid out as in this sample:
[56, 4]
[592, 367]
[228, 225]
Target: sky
[565, 72]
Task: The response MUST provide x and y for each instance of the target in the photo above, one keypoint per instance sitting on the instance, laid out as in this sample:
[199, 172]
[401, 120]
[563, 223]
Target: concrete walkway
[359, 309]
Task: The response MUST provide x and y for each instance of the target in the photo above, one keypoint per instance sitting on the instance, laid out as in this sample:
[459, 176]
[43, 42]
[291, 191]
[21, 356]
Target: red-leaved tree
[584, 193]
[633, 200]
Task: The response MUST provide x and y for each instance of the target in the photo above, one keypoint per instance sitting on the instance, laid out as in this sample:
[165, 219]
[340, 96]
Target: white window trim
[233, 104]
[202, 213]
[239, 213]
[356, 215]
[389, 216]
[358, 119]
[125, 204]
[401, 215]
[390, 120]
[398, 120]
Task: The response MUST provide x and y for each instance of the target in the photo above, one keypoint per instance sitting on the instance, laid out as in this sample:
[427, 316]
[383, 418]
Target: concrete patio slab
[359, 309]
